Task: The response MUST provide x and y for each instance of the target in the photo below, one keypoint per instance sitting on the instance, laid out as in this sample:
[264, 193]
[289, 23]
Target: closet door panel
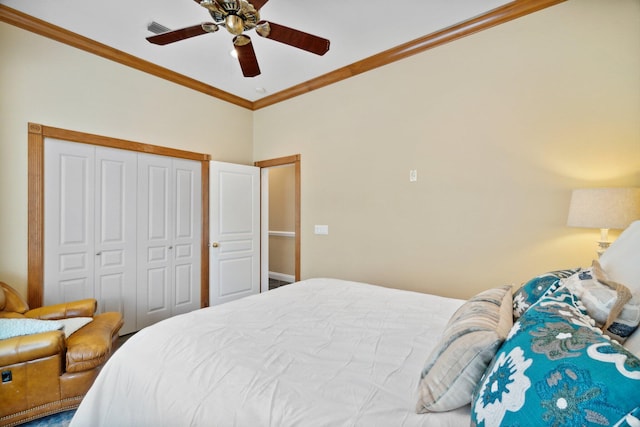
[69, 221]
[155, 216]
[115, 271]
[187, 235]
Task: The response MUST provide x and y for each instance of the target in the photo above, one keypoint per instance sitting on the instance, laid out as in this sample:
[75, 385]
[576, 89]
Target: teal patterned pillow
[536, 288]
[632, 419]
[556, 368]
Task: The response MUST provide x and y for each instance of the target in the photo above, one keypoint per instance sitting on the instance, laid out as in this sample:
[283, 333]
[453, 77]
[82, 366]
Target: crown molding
[506, 13]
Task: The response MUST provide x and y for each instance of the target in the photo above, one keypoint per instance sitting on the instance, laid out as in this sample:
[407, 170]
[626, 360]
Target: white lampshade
[608, 208]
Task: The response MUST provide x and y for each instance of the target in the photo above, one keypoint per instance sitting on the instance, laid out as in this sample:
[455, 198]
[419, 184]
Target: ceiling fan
[238, 17]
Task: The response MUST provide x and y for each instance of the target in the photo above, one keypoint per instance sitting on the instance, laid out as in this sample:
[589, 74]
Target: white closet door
[187, 235]
[155, 216]
[169, 237]
[123, 228]
[115, 234]
[69, 221]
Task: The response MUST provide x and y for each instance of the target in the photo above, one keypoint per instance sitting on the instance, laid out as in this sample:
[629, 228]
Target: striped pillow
[469, 342]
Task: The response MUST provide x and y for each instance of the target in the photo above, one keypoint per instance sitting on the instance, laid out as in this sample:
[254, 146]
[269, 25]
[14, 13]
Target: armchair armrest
[80, 308]
[31, 347]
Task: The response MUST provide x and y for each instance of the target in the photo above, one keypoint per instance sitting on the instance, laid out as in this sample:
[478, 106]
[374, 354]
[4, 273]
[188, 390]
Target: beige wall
[500, 125]
[46, 82]
[282, 180]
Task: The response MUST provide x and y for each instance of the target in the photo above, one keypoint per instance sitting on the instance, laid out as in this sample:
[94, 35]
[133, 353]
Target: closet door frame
[36, 187]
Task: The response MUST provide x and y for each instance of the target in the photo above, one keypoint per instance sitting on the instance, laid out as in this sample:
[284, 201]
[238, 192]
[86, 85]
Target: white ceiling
[357, 29]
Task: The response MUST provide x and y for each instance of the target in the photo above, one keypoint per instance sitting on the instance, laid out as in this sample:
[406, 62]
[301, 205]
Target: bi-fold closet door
[124, 228]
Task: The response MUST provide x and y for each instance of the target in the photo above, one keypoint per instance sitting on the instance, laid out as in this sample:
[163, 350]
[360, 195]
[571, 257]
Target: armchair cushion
[27, 348]
[10, 328]
[90, 346]
[13, 301]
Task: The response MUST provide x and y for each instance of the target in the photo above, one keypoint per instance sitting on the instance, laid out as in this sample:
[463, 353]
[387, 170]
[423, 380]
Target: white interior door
[115, 234]
[187, 235]
[69, 221]
[169, 232]
[235, 232]
[155, 216]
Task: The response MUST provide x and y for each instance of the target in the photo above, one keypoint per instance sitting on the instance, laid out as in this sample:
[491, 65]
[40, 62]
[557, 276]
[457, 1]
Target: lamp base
[602, 246]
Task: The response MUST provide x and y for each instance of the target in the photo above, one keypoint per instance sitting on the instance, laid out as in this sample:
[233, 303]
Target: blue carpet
[57, 420]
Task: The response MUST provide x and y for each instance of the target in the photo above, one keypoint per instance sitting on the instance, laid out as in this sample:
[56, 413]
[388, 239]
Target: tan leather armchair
[45, 373]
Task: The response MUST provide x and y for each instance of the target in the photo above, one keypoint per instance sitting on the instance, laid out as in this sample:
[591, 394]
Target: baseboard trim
[281, 276]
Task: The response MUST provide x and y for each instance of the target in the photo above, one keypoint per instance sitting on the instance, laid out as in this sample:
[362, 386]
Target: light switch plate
[321, 229]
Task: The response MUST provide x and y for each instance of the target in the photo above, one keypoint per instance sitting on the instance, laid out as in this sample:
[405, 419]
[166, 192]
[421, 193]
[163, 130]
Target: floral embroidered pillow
[536, 288]
[632, 419]
[556, 368]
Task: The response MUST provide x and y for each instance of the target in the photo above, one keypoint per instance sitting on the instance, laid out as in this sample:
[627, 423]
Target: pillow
[621, 260]
[610, 304]
[536, 288]
[555, 368]
[471, 338]
[632, 419]
[72, 324]
[10, 328]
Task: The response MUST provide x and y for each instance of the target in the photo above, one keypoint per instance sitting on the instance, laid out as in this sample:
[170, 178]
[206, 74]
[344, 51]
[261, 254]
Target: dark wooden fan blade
[291, 37]
[177, 35]
[258, 3]
[246, 56]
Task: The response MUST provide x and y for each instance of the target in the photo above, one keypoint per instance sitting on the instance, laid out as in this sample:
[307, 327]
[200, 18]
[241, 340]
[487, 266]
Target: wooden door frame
[283, 161]
[36, 187]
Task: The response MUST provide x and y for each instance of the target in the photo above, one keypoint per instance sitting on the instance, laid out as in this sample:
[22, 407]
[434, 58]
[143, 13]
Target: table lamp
[604, 208]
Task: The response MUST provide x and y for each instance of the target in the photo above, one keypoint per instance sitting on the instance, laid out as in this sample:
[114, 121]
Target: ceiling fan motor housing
[238, 16]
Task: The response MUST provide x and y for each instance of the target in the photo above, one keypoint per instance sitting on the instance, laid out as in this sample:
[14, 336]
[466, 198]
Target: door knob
[98, 253]
[215, 244]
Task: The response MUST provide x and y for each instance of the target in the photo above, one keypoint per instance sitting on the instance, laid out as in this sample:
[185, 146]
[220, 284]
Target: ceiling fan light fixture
[209, 27]
[263, 29]
[241, 41]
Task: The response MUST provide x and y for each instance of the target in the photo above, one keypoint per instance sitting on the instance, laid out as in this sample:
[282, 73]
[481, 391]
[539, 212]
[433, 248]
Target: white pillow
[622, 260]
[10, 328]
[601, 301]
[633, 343]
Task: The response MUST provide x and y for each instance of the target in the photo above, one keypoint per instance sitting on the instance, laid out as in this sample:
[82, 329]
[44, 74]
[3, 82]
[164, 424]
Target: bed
[563, 349]
[317, 352]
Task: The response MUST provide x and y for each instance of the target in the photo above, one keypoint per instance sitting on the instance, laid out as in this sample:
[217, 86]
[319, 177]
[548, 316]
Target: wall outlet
[413, 175]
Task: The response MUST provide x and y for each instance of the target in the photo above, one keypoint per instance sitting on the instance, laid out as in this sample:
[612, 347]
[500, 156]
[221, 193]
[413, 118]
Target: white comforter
[321, 352]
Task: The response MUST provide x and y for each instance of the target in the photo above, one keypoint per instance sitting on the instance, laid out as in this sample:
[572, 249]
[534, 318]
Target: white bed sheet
[321, 352]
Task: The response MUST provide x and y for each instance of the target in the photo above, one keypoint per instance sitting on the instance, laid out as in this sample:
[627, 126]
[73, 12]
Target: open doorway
[280, 222]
